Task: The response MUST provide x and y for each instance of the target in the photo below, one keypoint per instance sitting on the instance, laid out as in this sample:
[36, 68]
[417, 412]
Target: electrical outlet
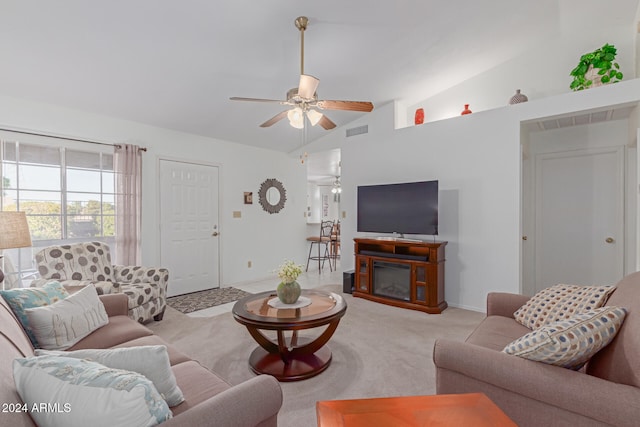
[248, 264]
[237, 214]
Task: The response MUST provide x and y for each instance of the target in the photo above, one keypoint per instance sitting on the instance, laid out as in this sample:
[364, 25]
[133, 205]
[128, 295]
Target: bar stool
[323, 239]
[334, 247]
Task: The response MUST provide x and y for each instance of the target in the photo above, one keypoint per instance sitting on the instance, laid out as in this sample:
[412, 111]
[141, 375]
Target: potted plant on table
[289, 290]
[596, 68]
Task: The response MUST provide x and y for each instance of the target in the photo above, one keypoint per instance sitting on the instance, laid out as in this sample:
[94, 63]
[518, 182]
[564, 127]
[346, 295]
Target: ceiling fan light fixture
[314, 117]
[304, 98]
[296, 118]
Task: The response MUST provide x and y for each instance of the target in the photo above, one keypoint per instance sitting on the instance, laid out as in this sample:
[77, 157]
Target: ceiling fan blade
[346, 105]
[307, 86]
[236, 98]
[326, 123]
[275, 119]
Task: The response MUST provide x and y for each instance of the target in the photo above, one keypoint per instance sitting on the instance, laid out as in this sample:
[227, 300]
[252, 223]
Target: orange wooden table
[472, 409]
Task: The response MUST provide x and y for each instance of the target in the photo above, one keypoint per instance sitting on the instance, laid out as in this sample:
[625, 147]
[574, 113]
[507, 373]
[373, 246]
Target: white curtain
[128, 168]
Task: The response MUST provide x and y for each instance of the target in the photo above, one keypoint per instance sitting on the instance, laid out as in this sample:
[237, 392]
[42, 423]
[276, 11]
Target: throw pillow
[570, 342]
[21, 299]
[82, 393]
[62, 324]
[561, 302]
[152, 361]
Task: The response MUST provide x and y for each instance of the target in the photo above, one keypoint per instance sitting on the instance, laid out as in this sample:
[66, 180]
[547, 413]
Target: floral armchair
[80, 264]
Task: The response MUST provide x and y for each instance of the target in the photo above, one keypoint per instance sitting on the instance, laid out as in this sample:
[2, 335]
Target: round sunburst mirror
[272, 195]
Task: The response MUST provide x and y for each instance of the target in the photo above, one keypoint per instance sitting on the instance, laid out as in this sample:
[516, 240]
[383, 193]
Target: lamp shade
[14, 230]
[296, 118]
[314, 117]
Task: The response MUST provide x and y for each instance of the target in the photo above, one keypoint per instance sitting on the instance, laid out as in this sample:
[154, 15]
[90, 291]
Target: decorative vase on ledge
[518, 98]
[466, 110]
[288, 293]
[419, 118]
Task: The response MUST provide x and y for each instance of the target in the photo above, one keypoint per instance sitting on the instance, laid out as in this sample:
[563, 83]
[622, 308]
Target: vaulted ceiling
[174, 64]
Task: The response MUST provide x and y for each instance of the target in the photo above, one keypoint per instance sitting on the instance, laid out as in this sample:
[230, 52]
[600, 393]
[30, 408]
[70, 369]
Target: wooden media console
[403, 273]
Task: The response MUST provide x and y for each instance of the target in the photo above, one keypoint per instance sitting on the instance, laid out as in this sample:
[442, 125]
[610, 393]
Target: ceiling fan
[304, 99]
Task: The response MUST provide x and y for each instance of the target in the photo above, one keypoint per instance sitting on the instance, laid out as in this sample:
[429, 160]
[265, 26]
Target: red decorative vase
[466, 110]
[419, 119]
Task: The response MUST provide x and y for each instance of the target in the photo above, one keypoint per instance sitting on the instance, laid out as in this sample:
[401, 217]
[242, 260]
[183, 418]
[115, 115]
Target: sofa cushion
[62, 324]
[85, 393]
[150, 361]
[175, 355]
[495, 332]
[570, 342]
[561, 302]
[197, 384]
[120, 329]
[21, 299]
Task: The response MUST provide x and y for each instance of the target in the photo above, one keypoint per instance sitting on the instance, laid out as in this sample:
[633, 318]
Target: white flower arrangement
[289, 271]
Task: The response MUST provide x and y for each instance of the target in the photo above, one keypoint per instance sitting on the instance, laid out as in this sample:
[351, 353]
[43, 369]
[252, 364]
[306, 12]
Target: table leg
[290, 363]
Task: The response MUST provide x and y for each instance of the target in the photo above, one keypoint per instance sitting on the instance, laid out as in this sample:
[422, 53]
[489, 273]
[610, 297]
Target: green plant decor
[600, 59]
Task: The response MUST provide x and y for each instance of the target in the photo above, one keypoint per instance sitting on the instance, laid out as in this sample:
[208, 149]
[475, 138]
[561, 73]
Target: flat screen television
[406, 208]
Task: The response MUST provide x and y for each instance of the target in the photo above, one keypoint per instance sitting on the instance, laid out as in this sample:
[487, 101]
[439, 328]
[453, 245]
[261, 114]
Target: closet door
[579, 217]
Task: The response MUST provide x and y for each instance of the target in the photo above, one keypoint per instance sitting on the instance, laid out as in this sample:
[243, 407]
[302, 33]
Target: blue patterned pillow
[20, 299]
[87, 393]
[570, 342]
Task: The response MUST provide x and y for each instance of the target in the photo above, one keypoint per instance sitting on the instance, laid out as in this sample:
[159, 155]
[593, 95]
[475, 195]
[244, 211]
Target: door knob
[215, 234]
[609, 240]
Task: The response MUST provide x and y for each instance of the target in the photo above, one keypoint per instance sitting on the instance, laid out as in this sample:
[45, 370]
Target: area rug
[195, 301]
[378, 351]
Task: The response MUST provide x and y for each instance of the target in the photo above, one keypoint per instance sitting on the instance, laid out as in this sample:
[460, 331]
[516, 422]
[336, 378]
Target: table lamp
[14, 233]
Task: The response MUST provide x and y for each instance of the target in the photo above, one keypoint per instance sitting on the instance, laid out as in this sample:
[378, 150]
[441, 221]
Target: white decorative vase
[592, 74]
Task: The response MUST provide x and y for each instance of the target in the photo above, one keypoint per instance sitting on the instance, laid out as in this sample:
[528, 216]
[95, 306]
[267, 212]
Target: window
[68, 194]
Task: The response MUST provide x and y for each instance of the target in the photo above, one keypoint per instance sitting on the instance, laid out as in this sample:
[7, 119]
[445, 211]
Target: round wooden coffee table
[301, 357]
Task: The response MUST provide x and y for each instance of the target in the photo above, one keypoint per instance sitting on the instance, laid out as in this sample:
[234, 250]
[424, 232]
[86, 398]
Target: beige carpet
[378, 351]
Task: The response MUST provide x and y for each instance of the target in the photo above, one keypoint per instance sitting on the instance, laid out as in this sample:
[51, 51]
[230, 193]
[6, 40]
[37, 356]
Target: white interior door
[189, 226]
[579, 229]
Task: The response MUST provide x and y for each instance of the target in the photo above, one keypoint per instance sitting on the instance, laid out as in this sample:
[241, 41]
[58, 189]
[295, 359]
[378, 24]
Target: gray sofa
[604, 392]
[208, 399]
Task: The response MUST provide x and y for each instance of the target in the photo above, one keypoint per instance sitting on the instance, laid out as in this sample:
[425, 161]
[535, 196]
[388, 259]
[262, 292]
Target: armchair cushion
[571, 342]
[561, 302]
[80, 261]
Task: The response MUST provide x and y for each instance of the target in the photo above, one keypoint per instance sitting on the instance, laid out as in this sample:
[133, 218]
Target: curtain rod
[68, 138]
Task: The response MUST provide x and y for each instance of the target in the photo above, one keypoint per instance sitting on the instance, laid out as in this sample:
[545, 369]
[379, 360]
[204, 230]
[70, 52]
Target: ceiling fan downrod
[301, 24]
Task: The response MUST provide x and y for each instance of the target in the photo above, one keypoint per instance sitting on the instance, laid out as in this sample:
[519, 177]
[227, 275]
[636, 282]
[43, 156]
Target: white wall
[263, 238]
[542, 72]
[477, 160]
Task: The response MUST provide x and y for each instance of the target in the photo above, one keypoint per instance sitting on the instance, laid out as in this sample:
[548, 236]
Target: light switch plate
[237, 214]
